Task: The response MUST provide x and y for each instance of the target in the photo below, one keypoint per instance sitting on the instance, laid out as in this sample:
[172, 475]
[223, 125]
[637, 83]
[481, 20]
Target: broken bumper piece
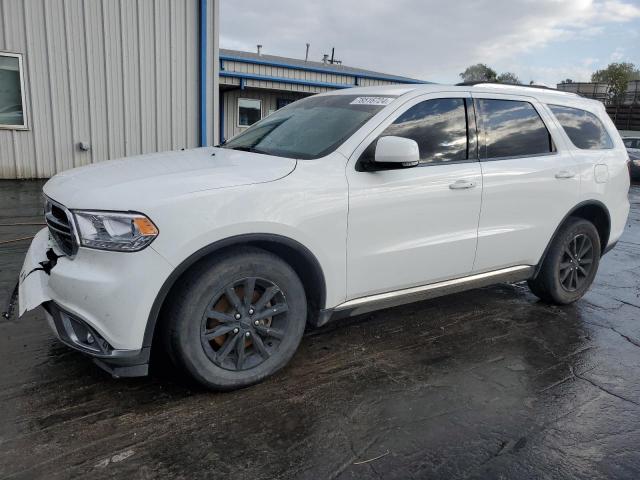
[33, 280]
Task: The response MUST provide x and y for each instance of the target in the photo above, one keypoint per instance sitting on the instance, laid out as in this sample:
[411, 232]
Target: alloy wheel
[576, 263]
[244, 324]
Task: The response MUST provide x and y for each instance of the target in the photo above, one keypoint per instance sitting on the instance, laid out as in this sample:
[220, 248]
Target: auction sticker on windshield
[372, 101]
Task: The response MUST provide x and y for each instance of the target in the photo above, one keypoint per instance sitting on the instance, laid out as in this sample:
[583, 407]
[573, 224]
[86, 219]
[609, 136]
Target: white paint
[601, 173]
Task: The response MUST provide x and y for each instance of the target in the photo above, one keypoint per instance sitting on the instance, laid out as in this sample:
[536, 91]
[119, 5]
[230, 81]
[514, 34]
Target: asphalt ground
[489, 383]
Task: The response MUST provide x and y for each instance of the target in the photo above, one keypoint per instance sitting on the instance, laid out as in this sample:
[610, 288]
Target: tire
[226, 343]
[570, 265]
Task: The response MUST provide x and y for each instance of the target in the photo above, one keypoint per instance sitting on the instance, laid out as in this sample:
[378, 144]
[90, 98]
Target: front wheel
[236, 319]
[570, 265]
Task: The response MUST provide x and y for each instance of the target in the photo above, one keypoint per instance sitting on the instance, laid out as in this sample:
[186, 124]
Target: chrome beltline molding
[423, 292]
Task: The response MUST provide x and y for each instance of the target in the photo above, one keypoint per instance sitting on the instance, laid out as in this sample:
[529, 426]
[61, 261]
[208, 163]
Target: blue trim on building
[294, 81]
[203, 72]
[222, 140]
[255, 61]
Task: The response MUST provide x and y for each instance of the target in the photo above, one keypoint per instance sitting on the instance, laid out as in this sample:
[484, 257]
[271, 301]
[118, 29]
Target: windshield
[309, 128]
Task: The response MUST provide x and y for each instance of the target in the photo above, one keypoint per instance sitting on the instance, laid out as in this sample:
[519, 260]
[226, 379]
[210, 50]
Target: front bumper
[79, 335]
[108, 295]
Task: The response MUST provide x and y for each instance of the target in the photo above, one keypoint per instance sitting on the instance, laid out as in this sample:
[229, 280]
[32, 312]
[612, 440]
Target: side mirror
[403, 151]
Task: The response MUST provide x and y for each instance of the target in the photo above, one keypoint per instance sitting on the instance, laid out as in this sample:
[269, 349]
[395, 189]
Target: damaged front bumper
[97, 302]
[79, 335]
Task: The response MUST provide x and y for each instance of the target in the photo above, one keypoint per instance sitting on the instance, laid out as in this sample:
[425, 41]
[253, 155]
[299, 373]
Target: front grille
[60, 226]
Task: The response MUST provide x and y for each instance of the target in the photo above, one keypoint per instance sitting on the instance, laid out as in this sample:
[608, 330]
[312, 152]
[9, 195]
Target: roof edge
[292, 66]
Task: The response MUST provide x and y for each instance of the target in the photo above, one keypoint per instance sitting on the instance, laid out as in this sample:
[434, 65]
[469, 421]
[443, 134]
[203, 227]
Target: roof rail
[540, 87]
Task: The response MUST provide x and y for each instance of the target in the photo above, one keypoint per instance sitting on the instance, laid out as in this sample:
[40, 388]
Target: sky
[541, 40]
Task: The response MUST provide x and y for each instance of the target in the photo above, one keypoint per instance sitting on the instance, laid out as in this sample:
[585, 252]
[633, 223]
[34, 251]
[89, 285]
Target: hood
[132, 182]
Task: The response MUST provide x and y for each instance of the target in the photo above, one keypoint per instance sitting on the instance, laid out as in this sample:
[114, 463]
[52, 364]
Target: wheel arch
[592, 210]
[299, 257]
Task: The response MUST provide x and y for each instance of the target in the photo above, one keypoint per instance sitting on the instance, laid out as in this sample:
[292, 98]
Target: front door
[415, 226]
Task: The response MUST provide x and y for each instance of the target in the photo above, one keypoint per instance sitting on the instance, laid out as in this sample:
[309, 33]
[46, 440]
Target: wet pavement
[486, 384]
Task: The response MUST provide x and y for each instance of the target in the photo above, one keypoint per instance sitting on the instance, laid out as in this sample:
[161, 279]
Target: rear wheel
[570, 265]
[237, 319]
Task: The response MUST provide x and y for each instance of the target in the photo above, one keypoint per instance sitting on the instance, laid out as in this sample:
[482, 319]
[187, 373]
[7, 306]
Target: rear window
[583, 128]
[511, 128]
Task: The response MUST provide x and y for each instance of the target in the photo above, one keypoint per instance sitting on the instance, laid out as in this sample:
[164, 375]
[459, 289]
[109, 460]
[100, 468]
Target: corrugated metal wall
[267, 84]
[295, 74]
[230, 107]
[121, 75]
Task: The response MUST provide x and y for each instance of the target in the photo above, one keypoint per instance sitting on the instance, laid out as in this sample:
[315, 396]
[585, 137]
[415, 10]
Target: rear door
[414, 226]
[530, 180]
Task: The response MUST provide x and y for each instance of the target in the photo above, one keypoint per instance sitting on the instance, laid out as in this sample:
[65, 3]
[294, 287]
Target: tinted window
[583, 128]
[438, 126]
[511, 129]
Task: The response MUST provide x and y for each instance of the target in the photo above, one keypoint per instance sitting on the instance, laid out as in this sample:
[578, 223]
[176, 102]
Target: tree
[617, 75]
[508, 77]
[479, 73]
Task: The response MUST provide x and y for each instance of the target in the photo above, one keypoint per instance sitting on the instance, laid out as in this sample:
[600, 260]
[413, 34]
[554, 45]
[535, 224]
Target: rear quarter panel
[604, 174]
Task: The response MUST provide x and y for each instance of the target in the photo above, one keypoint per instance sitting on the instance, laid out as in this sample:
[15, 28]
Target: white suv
[335, 205]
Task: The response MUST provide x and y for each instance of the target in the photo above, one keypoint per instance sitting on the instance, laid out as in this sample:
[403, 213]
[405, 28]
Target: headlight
[122, 232]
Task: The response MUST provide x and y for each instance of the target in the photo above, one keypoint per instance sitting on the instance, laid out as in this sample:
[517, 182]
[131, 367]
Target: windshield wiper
[246, 149]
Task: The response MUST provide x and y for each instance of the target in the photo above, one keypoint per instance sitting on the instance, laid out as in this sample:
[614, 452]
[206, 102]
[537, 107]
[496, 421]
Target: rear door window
[511, 128]
[584, 129]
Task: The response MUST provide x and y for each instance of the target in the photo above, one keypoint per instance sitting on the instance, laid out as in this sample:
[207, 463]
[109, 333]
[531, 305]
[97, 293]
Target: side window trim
[482, 134]
[473, 146]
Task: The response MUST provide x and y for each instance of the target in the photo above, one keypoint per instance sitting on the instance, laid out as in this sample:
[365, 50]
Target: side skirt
[381, 301]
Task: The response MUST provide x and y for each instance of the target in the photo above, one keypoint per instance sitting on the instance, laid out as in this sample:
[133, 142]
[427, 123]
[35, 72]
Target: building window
[249, 111]
[12, 110]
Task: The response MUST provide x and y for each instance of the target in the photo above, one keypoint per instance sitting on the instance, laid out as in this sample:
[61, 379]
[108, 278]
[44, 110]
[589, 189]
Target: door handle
[462, 185]
[565, 174]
